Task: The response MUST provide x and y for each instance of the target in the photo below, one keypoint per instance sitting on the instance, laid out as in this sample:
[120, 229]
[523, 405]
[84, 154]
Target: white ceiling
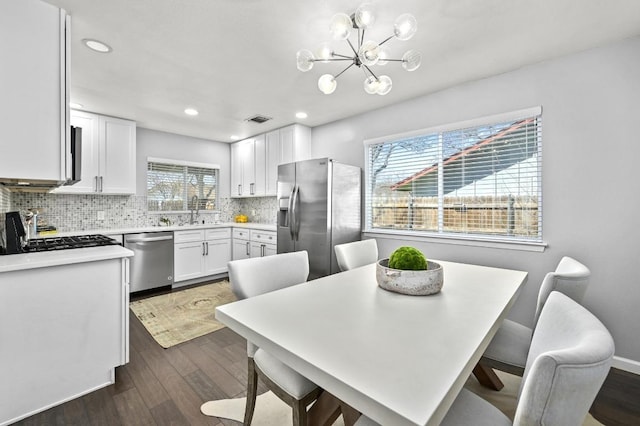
[232, 59]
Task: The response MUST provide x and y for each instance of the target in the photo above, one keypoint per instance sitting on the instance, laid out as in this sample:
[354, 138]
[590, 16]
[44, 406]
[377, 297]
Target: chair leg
[252, 390]
[487, 377]
[299, 413]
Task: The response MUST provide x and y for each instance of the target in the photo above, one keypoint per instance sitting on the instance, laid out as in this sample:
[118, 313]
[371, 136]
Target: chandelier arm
[346, 58]
[341, 72]
[394, 60]
[360, 38]
[371, 72]
[341, 56]
[355, 52]
[386, 40]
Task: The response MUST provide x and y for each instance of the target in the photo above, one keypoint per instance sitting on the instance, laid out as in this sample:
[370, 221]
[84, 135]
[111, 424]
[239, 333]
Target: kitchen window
[172, 186]
[475, 180]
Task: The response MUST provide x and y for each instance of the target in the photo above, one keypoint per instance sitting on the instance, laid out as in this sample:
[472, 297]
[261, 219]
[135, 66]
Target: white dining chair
[569, 358]
[255, 276]
[509, 347]
[356, 254]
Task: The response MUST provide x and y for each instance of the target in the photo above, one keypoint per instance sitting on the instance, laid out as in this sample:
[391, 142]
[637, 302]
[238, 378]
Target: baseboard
[626, 364]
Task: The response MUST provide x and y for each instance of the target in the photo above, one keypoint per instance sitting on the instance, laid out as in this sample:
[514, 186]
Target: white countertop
[19, 262]
[117, 231]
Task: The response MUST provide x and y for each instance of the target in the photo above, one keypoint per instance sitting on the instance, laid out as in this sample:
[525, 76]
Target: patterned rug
[183, 315]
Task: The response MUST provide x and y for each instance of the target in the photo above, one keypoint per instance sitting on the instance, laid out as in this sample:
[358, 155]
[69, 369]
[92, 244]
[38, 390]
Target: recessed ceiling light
[234, 137]
[191, 111]
[301, 114]
[75, 105]
[96, 45]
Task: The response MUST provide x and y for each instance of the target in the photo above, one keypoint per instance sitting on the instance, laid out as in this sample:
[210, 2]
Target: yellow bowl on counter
[241, 218]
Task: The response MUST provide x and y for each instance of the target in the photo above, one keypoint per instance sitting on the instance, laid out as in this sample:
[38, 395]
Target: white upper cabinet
[254, 161]
[242, 168]
[33, 83]
[108, 155]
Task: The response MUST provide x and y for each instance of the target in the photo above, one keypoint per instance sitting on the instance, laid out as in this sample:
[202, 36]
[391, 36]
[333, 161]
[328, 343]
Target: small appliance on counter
[14, 233]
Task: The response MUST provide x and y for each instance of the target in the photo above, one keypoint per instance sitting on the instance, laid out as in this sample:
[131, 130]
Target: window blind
[172, 187]
[480, 180]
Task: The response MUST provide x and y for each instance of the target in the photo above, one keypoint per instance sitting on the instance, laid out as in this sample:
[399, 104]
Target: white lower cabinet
[241, 244]
[201, 252]
[253, 243]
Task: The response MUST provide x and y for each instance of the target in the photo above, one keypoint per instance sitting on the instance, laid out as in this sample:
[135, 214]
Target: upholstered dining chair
[255, 276]
[569, 358]
[356, 254]
[509, 347]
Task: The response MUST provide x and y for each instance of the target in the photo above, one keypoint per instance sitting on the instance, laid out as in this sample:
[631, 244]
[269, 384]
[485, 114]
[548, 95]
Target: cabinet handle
[203, 249]
[101, 177]
[240, 189]
[262, 247]
[96, 182]
[248, 249]
[207, 243]
[251, 190]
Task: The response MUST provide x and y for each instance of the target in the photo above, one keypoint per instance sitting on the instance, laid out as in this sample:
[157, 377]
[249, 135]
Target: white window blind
[482, 180]
[171, 187]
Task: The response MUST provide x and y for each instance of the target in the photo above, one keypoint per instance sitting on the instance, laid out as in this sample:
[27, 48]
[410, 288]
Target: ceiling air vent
[258, 119]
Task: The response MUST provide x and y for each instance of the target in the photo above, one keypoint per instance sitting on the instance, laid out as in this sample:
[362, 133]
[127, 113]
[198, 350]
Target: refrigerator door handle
[290, 211]
[295, 225]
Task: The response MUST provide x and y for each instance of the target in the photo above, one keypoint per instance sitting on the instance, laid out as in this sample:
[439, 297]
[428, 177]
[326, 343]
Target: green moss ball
[408, 259]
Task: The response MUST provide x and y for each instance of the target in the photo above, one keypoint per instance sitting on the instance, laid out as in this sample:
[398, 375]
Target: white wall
[153, 143]
[591, 195]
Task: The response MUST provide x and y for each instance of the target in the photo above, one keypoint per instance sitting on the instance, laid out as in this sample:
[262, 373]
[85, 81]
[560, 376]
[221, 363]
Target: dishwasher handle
[148, 239]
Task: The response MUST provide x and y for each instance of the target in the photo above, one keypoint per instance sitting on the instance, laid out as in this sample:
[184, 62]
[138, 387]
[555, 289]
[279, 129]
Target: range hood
[29, 185]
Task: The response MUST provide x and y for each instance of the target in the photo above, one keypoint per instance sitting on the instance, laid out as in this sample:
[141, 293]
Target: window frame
[471, 239]
[185, 164]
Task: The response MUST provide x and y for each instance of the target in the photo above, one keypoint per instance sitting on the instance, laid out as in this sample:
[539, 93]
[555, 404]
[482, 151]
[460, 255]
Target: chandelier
[364, 54]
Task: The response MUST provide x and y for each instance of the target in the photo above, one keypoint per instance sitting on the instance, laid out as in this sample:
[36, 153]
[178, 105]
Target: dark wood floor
[167, 386]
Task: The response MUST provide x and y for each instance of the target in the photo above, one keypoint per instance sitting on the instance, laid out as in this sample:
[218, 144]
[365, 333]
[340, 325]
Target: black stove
[64, 243]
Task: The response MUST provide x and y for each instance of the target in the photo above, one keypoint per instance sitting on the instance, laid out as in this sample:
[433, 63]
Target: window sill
[458, 240]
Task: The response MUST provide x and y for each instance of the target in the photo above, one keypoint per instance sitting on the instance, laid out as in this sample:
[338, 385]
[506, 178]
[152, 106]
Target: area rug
[271, 411]
[183, 315]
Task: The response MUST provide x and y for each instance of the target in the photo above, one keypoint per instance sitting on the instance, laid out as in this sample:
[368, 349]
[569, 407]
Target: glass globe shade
[369, 53]
[340, 26]
[411, 60]
[364, 16]
[327, 84]
[324, 52]
[405, 26]
[371, 85]
[385, 85]
[304, 59]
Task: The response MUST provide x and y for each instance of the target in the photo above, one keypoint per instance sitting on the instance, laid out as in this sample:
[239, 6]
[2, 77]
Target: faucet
[194, 206]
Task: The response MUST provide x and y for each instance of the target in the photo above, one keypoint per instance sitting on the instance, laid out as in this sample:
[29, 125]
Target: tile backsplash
[88, 212]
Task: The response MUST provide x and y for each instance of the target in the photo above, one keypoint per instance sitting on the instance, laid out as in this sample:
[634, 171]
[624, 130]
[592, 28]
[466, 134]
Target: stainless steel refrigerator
[318, 207]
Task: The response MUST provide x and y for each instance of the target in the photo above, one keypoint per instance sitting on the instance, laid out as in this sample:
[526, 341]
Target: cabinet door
[217, 254]
[248, 167]
[188, 260]
[241, 249]
[273, 160]
[259, 160]
[118, 156]
[270, 249]
[236, 170]
[90, 154]
[34, 100]
[295, 143]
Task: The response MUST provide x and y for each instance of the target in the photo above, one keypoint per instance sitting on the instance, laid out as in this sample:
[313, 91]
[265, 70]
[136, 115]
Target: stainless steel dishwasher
[152, 262]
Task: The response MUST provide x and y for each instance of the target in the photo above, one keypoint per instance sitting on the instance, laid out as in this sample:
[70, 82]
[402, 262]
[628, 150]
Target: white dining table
[399, 359]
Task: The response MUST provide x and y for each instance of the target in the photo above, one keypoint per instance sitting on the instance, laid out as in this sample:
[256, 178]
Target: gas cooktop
[63, 243]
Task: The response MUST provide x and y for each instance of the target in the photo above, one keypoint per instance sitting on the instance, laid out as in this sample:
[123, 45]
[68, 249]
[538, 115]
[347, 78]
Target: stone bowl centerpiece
[407, 271]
